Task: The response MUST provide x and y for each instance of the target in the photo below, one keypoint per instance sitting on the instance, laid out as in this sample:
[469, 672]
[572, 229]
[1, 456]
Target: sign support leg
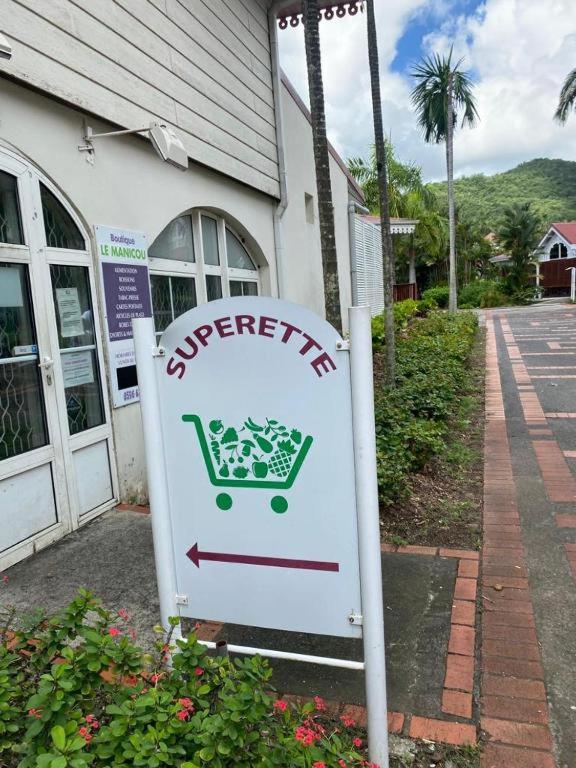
[369, 532]
[144, 344]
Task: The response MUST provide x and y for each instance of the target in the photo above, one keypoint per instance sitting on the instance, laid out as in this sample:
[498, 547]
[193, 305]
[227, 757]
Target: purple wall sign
[127, 293]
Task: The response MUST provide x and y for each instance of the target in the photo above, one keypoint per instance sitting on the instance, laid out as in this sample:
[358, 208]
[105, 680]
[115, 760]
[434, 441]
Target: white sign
[77, 368]
[257, 433]
[69, 312]
[126, 287]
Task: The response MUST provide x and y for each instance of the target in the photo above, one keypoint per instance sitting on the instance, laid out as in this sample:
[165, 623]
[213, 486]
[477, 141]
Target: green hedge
[413, 419]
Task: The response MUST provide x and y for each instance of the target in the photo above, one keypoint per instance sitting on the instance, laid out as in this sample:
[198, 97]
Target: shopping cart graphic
[267, 455]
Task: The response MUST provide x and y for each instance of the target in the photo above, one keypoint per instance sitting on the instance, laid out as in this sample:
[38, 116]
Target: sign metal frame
[359, 350]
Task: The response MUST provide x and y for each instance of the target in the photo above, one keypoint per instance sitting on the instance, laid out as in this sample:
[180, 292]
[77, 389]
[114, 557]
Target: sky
[518, 53]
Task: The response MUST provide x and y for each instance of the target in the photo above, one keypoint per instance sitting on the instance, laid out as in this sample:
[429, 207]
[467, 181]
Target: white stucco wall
[303, 261]
[129, 187]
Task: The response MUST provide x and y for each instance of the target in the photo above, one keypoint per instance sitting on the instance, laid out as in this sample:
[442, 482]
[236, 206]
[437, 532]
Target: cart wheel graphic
[279, 504]
[224, 501]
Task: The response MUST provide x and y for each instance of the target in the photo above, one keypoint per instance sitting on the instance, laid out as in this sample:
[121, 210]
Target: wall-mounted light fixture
[164, 139]
[5, 48]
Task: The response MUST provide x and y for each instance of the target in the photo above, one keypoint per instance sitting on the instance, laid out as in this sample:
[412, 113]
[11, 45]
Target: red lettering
[267, 324]
[309, 344]
[173, 367]
[245, 322]
[289, 331]
[222, 325]
[202, 333]
[324, 362]
[188, 355]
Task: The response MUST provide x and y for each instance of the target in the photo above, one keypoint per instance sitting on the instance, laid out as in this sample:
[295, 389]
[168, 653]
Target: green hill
[550, 185]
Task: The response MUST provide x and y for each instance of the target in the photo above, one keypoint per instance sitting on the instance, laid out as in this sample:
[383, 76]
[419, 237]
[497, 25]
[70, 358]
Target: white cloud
[519, 51]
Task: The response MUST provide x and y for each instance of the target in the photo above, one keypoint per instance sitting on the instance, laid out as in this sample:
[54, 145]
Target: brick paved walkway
[528, 646]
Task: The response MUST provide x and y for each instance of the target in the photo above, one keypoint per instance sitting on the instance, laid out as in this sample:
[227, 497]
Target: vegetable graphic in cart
[267, 455]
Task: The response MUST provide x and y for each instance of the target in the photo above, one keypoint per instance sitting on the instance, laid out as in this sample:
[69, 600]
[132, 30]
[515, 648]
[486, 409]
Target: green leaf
[204, 689]
[59, 762]
[207, 753]
[58, 735]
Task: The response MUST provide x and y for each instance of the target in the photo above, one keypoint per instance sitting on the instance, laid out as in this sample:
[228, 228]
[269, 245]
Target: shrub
[439, 294]
[473, 293]
[75, 691]
[494, 298]
[412, 420]
[404, 311]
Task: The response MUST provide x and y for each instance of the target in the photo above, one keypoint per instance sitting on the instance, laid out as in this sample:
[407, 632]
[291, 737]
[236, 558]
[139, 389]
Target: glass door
[56, 458]
[34, 498]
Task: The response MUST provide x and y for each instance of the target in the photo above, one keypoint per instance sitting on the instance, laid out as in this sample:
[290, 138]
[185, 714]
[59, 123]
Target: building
[556, 255]
[240, 220]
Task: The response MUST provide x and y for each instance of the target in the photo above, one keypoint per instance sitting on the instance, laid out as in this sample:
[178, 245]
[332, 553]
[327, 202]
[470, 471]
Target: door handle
[47, 364]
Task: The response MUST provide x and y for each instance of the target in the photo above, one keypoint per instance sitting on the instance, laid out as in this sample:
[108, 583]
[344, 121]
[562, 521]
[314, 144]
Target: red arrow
[276, 562]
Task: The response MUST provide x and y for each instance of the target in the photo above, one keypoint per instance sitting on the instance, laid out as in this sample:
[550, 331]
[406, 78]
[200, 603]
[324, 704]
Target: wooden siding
[554, 273]
[200, 65]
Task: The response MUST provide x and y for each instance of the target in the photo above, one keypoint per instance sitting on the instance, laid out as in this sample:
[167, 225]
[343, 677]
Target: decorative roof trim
[292, 16]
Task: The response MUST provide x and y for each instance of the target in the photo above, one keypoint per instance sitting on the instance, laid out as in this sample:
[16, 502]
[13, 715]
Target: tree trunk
[412, 265]
[453, 299]
[322, 164]
[387, 249]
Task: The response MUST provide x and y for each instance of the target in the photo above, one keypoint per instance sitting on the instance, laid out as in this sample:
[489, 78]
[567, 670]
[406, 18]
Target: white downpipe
[304, 657]
[279, 119]
[369, 532]
[145, 346]
[354, 207]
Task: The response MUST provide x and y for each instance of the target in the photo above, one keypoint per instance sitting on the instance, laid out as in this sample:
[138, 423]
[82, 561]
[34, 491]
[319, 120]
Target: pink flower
[357, 742]
[154, 679]
[182, 714]
[113, 632]
[341, 763]
[123, 613]
[37, 713]
[198, 671]
[280, 705]
[83, 731]
[5, 579]
[305, 735]
[318, 764]
[319, 703]
[348, 721]
[187, 704]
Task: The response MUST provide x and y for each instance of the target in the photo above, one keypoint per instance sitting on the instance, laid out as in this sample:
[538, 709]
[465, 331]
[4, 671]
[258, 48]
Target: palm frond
[567, 98]
[434, 76]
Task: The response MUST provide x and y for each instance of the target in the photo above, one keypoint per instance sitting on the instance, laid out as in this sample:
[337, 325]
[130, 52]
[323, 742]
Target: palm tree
[443, 90]
[567, 99]
[402, 179]
[383, 206]
[322, 165]
[518, 236]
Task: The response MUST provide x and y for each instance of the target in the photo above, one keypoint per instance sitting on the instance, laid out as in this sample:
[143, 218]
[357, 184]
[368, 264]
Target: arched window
[558, 251]
[10, 224]
[197, 258]
[59, 227]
